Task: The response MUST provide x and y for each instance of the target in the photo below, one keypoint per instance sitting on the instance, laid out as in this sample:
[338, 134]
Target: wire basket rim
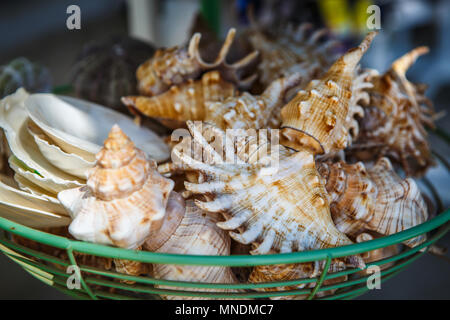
[232, 260]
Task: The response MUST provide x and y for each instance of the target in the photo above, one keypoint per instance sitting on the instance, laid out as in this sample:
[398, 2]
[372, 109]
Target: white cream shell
[68, 162]
[80, 127]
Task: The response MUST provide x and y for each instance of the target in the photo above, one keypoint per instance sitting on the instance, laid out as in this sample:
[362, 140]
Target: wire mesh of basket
[48, 257]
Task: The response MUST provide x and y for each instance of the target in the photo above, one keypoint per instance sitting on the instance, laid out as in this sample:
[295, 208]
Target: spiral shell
[249, 111]
[187, 101]
[124, 199]
[188, 230]
[281, 207]
[175, 65]
[396, 117]
[316, 118]
[374, 199]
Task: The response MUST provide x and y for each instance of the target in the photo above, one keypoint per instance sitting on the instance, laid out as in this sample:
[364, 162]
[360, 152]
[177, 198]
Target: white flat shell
[42, 203]
[29, 187]
[80, 126]
[68, 162]
[27, 159]
[24, 210]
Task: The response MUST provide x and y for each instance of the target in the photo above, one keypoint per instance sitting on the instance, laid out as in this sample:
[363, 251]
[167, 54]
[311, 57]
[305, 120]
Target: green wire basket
[96, 283]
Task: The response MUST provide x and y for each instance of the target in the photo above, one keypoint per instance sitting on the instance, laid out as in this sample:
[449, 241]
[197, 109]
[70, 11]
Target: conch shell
[175, 65]
[187, 101]
[215, 101]
[249, 111]
[124, 199]
[316, 118]
[188, 230]
[374, 199]
[283, 208]
[288, 51]
[395, 118]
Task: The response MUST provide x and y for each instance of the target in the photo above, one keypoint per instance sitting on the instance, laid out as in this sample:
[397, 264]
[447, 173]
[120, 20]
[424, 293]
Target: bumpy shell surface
[290, 50]
[249, 111]
[396, 117]
[80, 127]
[21, 73]
[374, 199]
[188, 101]
[124, 199]
[189, 230]
[316, 118]
[26, 159]
[105, 70]
[175, 65]
[283, 207]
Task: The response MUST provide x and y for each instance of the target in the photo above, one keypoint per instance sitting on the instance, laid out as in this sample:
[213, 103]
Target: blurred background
[37, 30]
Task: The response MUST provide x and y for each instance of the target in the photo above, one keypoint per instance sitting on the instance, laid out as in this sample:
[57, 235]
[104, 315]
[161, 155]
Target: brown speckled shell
[187, 101]
[175, 65]
[316, 118]
[396, 117]
[374, 199]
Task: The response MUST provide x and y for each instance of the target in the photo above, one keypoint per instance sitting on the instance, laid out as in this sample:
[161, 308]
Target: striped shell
[316, 118]
[280, 205]
[175, 65]
[374, 199]
[124, 199]
[187, 101]
[396, 117]
[188, 230]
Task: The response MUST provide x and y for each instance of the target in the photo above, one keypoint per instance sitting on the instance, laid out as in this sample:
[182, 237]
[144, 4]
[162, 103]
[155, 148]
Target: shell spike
[354, 55]
[402, 64]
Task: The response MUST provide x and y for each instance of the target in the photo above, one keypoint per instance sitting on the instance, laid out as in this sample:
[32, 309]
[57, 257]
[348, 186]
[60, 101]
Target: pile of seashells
[327, 183]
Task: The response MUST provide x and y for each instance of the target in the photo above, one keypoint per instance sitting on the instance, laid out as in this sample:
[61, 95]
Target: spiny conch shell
[26, 159]
[396, 116]
[175, 65]
[251, 112]
[124, 199]
[187, 101]
[293, 51]
[374, 199]
[377, 254]
[189, 230]
[316, 118]
[281, 206]
[360, 96]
